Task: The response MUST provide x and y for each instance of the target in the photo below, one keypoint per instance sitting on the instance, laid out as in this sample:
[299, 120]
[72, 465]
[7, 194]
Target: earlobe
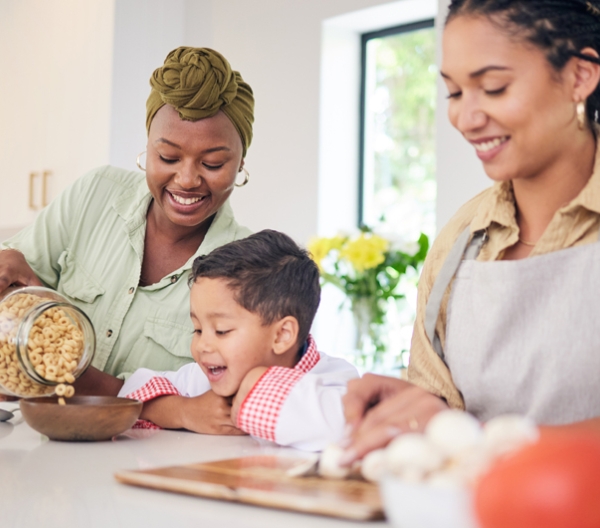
[286, 335]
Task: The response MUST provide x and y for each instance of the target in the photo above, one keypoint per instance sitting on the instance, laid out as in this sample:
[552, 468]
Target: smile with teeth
[216, 370]
[186, 201]
[489, 145]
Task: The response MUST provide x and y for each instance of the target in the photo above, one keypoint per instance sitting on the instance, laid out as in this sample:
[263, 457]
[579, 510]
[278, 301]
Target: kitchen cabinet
[56, 60]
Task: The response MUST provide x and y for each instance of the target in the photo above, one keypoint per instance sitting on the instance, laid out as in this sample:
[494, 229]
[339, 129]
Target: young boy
[252, 305]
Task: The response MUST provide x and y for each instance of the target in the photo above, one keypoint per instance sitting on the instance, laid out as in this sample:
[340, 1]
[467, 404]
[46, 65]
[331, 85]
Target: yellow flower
[365, 252]
[337, 242]
[319, 248]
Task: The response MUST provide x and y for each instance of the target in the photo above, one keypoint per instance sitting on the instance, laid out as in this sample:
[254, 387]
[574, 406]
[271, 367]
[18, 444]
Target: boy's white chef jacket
[299, 407]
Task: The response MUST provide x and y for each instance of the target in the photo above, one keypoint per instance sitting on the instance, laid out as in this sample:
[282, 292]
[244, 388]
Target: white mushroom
[373, 465]
[412, 455]
[304, 468]
[470, 464]
[508, 432]
[454, 432]
[329, 463]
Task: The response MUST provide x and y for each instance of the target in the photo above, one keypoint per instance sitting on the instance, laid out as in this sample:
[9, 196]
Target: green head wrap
[198, 82]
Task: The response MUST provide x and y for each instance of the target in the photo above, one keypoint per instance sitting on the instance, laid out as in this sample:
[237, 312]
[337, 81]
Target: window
[397, 150]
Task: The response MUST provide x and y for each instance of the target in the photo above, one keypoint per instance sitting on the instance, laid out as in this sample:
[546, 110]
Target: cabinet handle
[45, 175]
[32, 176]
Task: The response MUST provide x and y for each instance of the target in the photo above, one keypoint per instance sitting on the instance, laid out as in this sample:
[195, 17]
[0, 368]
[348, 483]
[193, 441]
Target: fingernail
[346, 439]
[348, 457]
[345, 442]
[393, 432]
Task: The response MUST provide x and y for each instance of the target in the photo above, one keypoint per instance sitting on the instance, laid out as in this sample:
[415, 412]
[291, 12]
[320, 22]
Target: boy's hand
[208, 413]
[245, 387]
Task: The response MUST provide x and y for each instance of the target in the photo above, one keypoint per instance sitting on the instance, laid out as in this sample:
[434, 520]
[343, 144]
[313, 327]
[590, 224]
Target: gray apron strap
[462, 247]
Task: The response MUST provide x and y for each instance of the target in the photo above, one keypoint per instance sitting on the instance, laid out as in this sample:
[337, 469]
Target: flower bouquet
[367, 268]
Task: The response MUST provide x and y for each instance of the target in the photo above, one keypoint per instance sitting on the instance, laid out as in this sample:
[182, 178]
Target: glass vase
[369, 339]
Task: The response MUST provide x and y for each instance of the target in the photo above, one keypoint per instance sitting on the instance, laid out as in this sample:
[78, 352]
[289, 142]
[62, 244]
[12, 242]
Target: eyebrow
[206, 151]
[219, 315]
[480, 72]
[214, 315]
[163, 140]
[216, 149]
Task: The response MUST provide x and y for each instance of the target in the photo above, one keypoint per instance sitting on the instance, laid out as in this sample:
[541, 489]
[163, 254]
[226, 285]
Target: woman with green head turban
[120, 244]
[198, 83]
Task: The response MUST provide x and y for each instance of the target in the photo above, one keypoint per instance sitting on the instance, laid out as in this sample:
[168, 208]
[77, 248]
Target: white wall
[145, 31]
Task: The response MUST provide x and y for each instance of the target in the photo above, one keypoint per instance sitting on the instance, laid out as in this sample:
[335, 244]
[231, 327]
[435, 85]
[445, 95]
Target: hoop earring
[246, 178]
[580, 109]
[137, 161]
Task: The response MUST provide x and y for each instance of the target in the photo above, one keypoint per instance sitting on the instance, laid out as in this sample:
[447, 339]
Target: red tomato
[554, 483]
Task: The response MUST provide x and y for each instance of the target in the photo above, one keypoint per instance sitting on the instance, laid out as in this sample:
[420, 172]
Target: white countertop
[47, 484]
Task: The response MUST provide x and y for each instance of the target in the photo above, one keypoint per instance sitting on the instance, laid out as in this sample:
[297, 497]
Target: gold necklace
[530, 244]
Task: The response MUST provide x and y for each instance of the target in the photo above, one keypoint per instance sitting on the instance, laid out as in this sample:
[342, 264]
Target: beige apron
[522, 336]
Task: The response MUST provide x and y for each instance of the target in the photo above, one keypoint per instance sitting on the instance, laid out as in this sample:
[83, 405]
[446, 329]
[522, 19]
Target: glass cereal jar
[44, 341]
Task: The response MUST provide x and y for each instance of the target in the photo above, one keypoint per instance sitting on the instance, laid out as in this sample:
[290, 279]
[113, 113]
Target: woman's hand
[15, 270]
[378, 408]
[97, 383]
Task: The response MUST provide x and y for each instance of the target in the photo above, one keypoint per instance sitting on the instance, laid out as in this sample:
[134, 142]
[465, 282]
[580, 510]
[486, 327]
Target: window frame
[364, 39]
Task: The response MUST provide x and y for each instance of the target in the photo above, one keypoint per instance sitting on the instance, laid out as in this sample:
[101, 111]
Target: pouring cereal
[45, 342]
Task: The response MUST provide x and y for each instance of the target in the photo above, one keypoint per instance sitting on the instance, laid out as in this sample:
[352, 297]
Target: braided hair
[561, 28]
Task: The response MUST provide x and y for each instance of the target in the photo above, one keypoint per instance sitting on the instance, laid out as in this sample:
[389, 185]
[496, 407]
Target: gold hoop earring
[580, 109]
[246, 178]
[137, 161]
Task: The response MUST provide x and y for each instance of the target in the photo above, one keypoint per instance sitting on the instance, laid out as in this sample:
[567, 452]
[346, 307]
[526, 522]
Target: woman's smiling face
[191, 166]
[505, 99]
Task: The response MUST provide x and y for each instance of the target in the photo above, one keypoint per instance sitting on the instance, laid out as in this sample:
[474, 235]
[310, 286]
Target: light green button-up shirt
[88, 245]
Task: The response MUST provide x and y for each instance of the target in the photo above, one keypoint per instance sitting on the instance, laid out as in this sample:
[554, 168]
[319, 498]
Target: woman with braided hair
[509, 295]
[120, 245]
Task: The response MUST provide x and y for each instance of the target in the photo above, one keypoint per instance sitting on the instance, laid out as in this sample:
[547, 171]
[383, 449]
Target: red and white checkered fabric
[145, 424]
[260, 410]
[152, 389]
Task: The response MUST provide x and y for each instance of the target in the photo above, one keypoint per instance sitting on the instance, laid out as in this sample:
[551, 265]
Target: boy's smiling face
[228, 341]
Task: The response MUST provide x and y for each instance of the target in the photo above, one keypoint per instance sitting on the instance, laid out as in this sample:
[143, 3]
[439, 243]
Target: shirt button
[131, 290]
[173, 279]
[109, 333]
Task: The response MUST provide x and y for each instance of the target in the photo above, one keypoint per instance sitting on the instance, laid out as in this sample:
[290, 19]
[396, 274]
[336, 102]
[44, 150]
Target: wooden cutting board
[262, 480]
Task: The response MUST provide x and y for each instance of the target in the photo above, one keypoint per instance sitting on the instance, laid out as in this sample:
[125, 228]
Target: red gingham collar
[310, 358]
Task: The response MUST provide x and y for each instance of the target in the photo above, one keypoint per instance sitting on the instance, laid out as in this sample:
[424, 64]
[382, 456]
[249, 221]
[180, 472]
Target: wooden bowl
[82, 419]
